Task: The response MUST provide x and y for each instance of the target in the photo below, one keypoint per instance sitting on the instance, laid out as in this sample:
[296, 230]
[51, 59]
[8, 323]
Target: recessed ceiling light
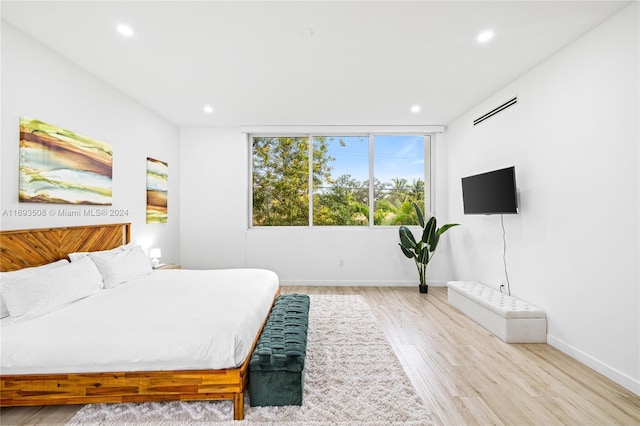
[125, 30]
[415, 108]
[208, 109]
[485, 36]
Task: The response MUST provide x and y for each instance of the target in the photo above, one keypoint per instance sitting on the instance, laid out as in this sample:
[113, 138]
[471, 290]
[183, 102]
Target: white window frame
[429, 136]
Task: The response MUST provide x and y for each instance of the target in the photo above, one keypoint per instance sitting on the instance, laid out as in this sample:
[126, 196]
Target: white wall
[39, 83]
[215, 234]
[213, 198]
[573, 249]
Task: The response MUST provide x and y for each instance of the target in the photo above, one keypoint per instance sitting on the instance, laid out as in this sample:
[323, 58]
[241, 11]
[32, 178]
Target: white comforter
[168, 320]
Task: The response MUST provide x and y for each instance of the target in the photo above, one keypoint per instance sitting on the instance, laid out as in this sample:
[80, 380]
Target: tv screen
[490, 193]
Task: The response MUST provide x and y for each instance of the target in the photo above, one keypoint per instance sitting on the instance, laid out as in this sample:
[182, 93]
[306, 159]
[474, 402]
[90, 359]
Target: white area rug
[352, 377]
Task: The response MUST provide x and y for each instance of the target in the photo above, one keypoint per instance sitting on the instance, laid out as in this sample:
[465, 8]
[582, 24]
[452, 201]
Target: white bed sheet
[168, 320]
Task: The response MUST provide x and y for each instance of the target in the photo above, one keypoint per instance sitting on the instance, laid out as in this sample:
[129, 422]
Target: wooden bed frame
[34, 247]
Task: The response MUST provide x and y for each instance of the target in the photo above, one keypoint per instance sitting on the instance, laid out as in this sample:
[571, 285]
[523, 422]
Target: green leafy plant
[423, 249]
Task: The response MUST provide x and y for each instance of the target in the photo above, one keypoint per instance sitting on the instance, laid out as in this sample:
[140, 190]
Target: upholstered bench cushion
[500, 303]
[276, 368]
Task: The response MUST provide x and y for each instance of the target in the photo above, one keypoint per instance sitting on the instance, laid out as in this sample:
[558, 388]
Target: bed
[146, 365]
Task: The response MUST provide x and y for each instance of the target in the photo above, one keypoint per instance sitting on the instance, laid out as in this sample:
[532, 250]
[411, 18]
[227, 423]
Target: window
[341, 196]
[325, 180]
[399, 170]
[281, 181]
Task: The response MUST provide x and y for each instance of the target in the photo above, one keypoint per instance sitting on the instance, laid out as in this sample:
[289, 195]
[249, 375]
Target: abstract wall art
[157, 186]
[62, 167]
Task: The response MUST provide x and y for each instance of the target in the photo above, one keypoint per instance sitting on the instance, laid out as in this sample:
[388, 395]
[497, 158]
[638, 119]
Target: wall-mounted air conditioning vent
[496, 110]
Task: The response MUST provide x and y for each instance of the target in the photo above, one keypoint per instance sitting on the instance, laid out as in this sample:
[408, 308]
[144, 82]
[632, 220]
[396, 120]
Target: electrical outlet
[341, 262]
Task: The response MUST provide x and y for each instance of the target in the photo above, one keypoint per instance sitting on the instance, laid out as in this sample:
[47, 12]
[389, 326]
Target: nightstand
[168, 266]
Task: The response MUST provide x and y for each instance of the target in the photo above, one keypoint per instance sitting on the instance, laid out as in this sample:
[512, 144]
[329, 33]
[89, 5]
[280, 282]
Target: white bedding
[167, 320]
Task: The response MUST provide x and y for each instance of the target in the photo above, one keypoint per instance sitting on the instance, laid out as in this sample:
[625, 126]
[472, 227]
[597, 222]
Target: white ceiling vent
[496, 110]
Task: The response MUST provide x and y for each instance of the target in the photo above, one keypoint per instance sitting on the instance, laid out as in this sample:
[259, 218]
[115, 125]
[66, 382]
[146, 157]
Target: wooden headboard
[33, 247]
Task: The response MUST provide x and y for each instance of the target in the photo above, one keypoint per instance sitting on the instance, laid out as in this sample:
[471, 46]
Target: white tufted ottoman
[512, 320]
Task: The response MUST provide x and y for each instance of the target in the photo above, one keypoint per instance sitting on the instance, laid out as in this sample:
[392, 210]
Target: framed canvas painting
[157, 186]
[62, 167]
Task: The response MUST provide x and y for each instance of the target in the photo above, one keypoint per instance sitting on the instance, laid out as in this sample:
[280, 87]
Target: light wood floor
[464, 374]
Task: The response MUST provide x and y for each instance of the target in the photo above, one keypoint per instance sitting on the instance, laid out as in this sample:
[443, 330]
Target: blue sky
[394, 156]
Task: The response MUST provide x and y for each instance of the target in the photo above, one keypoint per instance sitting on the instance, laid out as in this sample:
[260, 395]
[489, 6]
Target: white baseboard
[622, 379]
[358, 283]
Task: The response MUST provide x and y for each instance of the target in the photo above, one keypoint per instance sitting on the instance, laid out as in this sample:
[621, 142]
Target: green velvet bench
[276, 369]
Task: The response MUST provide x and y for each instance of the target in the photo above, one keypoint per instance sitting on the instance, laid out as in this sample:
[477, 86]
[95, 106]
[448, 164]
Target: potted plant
[422, 250]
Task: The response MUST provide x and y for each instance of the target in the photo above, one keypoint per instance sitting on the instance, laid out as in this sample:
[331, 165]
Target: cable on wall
[504, 254]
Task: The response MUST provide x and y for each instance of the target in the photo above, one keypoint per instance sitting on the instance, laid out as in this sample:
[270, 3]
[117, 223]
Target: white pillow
[80, 254]
[37, 294]
[4, 311]
[121, 266]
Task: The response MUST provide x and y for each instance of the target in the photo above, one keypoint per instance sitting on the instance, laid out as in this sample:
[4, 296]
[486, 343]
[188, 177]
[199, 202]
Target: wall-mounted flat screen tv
[490, 193]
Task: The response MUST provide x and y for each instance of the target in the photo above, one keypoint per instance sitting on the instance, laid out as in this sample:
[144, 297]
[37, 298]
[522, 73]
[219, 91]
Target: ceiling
[308, 62]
